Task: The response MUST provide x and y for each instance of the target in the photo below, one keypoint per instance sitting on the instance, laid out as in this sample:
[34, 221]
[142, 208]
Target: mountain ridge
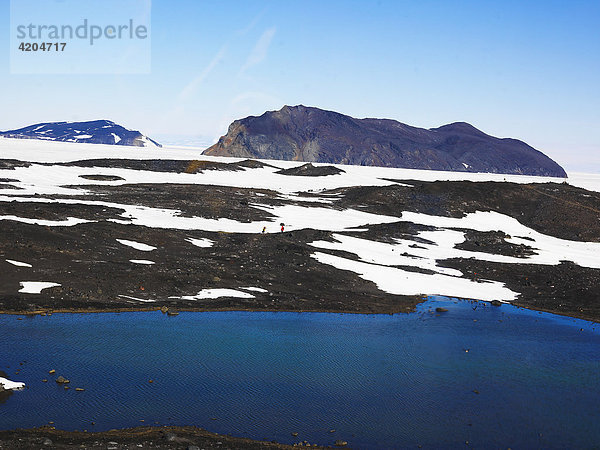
[311, 134]
[92, 132]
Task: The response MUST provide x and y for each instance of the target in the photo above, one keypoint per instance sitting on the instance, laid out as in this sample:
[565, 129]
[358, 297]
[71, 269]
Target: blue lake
[495, 377]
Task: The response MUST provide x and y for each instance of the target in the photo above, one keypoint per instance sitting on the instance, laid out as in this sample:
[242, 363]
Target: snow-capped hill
[92, 132]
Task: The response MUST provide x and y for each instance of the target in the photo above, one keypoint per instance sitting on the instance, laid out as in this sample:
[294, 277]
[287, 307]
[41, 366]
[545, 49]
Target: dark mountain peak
[92, 132]
[303, 133]
[459, 127]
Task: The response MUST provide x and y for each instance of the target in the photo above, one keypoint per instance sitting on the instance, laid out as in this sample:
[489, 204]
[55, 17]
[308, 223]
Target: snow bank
[68, 222]
[549, 250]
[403, 282]
[255, 289]
[7, 384]
[205, 243]
[136, 245]
[18, 263]
[35, 287]
[216, 293]
[137, 299]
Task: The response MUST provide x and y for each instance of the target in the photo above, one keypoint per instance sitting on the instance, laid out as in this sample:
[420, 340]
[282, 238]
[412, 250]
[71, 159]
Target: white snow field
[383, 263]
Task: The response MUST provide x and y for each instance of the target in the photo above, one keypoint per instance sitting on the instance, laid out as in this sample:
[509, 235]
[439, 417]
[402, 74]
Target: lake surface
[492, 376]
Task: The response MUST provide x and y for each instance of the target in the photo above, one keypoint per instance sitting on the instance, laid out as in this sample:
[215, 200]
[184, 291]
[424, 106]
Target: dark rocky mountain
[92, 132]
[309, 134]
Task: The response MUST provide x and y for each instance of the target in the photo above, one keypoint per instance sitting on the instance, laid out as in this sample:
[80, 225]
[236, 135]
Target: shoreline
[400, 310]
[163, 437]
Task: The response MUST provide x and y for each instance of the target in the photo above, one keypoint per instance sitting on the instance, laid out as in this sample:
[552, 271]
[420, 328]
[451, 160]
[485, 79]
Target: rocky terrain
[187, 235]
[92, 132]
[186, 438]
[93, 234]
[300, 133]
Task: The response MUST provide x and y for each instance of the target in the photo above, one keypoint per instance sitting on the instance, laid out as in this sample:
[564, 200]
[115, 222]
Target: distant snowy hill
[92, 132]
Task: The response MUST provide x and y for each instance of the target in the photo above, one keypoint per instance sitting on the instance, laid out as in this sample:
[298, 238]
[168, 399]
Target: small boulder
[496, 303]
[440, 309]
[340, 443]
[170, 437]
[62, 380]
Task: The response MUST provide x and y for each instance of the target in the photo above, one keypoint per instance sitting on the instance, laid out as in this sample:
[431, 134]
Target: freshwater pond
[489, 376]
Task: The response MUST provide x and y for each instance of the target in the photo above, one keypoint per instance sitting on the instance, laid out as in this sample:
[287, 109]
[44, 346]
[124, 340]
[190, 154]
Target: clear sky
[523, 69]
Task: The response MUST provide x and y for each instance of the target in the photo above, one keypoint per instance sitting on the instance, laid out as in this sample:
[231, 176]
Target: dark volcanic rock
[101, 177]
[11, 164]
[131, 438]
[92, 132]
[308, 170]
[303, 133]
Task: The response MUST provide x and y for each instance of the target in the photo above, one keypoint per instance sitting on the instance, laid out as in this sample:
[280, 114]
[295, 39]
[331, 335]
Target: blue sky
[523, 69]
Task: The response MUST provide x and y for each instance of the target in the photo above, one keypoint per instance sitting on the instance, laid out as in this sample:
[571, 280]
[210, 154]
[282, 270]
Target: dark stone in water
[340, 443]
[440, 309]
[496, 303]
[62, 380]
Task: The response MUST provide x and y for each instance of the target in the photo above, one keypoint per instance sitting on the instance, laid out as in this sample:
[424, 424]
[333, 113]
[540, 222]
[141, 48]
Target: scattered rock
[79, 389]
[172, 313]
[62, 380]
[170, 437]
[496, 303]
[440, 309]
[52, 371]
[340, 443]
[308, 170]
[101, 177]
[164, 309]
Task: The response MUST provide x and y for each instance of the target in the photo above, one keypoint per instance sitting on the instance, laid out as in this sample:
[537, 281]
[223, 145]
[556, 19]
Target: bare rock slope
[301, 133]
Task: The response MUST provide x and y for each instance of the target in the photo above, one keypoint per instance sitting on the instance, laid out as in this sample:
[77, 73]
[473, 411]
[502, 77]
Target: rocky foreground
[74, 236]
[186, 438]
